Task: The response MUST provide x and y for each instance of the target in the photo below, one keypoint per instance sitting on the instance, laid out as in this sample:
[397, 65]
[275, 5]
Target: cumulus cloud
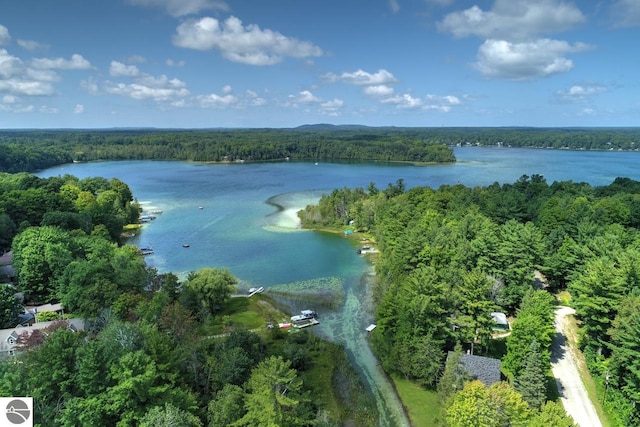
[17, 108]
[514, 46]
[216, 101]
[378, 90]
[77, 62]
[78, 109]
[5, 38]
[403, 101]
[441, 103]
[48, 110]
[9, 99]
[142, 92]
[245, 44]
[182, 7]
[580, 93]
[171, 63]
[16, 78]
[363, 78]
[527, 60]
[626, 13]
[118, 69]
[513, 20]
[31, 45]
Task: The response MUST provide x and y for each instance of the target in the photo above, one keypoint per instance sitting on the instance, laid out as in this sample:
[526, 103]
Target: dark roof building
[485, 369]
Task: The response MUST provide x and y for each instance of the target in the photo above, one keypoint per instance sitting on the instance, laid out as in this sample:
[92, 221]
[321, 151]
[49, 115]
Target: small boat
[200, 207]
[146, 251]
[185, 245]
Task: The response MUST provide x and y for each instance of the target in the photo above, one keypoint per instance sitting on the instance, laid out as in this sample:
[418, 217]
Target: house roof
[485, 369]
[499, 318]
[73, 324]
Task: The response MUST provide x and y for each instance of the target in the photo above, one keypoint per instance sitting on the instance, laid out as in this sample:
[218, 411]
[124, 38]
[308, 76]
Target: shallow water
[242, 217]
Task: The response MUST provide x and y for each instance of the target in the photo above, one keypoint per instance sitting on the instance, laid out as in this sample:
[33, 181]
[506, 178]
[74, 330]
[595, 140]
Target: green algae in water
[324, 291]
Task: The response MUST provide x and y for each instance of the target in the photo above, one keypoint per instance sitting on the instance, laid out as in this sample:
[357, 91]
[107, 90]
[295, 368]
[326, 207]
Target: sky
[284, 63]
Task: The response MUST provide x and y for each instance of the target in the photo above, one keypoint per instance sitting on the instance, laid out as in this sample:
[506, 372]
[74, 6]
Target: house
[9, 337]
[500, 320]
[485, 369]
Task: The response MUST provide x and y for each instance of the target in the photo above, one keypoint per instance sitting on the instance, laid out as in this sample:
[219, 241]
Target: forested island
[31, 150]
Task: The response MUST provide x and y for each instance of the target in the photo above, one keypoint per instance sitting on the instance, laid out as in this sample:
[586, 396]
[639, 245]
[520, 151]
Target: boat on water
[146, 251]
[253, 291]
[304, 319]
[185, 245]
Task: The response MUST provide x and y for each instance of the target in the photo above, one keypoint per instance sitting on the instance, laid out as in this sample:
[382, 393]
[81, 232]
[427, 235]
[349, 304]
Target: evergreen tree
[454, 376]
[531, 382]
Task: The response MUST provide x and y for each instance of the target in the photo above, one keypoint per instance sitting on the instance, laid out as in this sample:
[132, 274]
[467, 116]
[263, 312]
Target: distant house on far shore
[485, 369]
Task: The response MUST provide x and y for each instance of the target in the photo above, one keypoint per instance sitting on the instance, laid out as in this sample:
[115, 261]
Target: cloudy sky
[283, 63]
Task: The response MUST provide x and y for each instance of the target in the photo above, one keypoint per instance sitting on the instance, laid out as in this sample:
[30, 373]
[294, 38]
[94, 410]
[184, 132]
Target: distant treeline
[30, 150]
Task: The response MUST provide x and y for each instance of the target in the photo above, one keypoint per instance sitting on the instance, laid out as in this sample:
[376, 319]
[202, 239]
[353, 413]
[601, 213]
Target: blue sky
[283, 63]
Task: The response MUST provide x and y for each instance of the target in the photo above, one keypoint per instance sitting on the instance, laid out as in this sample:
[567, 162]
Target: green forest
[158, 350]
[27, 151]
[31, 150]
[451, 256]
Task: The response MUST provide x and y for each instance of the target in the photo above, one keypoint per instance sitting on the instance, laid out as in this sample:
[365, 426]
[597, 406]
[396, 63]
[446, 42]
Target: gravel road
[563, 363]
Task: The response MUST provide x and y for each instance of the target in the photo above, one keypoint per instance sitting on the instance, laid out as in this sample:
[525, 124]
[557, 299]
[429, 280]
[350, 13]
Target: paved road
[563, 363]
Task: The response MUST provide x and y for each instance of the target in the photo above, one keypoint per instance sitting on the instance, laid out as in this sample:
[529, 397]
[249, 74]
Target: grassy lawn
[422, 405]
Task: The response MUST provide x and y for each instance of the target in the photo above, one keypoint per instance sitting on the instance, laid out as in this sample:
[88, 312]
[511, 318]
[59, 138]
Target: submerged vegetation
[323, 291]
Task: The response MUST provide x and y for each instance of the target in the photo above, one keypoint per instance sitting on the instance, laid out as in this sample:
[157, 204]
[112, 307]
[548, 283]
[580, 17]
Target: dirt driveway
[563, 363]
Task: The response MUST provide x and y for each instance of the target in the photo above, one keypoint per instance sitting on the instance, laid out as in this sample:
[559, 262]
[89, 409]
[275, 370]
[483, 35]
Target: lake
[242, 217]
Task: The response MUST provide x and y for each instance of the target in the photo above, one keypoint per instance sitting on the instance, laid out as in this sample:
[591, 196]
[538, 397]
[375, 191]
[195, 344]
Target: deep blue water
[242, 217]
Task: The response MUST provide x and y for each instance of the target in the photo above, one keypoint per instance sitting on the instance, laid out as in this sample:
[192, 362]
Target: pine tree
[531, 382]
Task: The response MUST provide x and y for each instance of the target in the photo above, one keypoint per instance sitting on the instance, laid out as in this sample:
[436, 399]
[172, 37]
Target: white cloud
[248, 45]
[227, 89]
[394, 5]
[77, 62]
[31, 45]
[626, 13]
[378, 90]
[332, 108]
[403, 101]
[118, 69]
[182, 7]
[441, 103]
[513, 20]
[48, 110]
[136, 59]
[9, 99]
[78, 109]
[580, 93]
[17, 108]
[5, 38]
[142, 92]
[90, 86]
[527, 60]
[306, 97]
[171, 63]
[18, 79]
[363, 78]
[216, 101]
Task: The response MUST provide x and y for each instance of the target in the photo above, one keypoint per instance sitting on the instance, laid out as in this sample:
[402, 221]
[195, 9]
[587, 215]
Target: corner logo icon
[16, 411]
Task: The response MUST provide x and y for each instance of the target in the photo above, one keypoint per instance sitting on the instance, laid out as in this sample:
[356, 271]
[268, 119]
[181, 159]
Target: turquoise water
[242, 217]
